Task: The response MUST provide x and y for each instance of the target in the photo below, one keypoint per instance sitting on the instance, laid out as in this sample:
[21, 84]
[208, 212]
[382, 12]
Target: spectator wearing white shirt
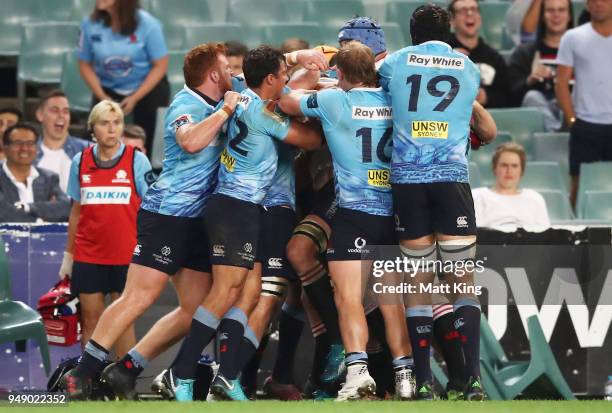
[505, 203]
[57, 148]
[28, 193]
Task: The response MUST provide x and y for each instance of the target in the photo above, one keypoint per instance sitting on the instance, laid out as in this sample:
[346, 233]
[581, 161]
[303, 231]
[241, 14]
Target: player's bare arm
[483, 123]
[193, 138]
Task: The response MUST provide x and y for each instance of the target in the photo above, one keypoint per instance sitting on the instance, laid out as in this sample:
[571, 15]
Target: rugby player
[432, 89]
[176, 202]
[171, 238]
[249, 162]
[357, 125]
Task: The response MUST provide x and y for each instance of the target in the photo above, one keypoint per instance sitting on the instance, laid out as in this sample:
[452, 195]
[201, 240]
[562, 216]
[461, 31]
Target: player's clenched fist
[309, 59]
[230, 99]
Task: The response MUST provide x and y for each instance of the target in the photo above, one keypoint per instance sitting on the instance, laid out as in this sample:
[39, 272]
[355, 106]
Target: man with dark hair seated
[28, 193]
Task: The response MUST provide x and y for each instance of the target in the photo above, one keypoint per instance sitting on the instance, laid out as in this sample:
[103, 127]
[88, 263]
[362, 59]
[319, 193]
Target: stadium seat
[57, 10]
[552, 146]
[276, 33]
[475, 178]
[78, 93]
[544, 175]
[19, 322]
[212, 32]
[175, 37]
[157, 152]
[494, 23]
[506, 54]
[578, 7]
[522, 123]
[15, 13]
[484, 156]
[82, 8]
[558, 206]
[400, 13]
[331, 15]
[394, 36]
[252, 16]
[593, 177]
[42, 52]
[180, 12]
[175, 71]
[540, 378]
[597, 205]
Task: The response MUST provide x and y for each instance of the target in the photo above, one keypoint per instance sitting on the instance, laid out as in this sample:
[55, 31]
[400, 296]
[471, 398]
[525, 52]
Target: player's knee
[419, 252]
[458, 251]
[300, 253]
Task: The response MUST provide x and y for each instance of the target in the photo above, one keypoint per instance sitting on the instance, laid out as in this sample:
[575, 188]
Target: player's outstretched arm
[289, 103]
[194, 137]
[305, 135]
[305, 79]
[483, 123]
[309, 59]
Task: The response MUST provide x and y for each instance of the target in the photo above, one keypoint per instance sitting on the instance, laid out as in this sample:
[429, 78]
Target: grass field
[324, 407]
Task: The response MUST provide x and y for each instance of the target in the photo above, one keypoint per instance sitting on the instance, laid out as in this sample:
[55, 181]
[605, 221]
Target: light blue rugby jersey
[187, 180]
[282, 188]
[249, 160]
[358, 130]
[432, 89]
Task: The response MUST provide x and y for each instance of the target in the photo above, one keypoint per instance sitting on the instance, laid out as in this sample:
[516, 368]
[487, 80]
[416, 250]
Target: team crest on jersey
[228, 160]
[121, 177]
[429, 129]
[379, 178]
[180, 121]
[438, 62]
[86, 178]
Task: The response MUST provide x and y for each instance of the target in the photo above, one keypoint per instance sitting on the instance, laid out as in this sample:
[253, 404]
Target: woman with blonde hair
[107, 181]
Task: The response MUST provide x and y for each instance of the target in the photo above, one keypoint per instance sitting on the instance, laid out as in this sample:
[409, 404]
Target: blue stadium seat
[544, 176]
[400, 12]
[331, 15]
[494, 24]
[175, 71]
[42, 52]
[558, 206]
[597, 205]
[14, 14]
[276, 33]
[593, 177]
[394, 36]
[212, 32]
[522, 123]
[78, 93]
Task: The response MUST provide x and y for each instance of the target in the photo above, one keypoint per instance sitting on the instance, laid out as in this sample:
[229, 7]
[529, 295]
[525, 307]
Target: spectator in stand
[532, 66]
[293, 44]
[123, 57]
[236, 52]
[57, 147]
[8, 118]
[466, 21]
[506, 203]
[585, 53]
[28, 193]
[106, 184]
[134, 135]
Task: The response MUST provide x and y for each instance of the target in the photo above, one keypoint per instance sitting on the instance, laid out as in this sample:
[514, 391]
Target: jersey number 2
[243, 131]
[366, 144]
[432, 89]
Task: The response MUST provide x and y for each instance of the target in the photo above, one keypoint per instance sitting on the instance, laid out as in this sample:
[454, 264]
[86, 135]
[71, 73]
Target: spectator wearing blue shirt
[123, 57]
